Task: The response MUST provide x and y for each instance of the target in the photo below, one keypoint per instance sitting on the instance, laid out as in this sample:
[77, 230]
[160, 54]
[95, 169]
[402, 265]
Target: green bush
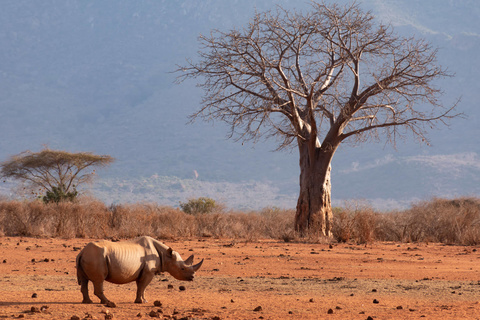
[57, 195]
[198, 206]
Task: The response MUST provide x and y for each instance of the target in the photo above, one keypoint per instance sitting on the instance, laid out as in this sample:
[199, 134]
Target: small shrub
[57, 195]
[198, 206]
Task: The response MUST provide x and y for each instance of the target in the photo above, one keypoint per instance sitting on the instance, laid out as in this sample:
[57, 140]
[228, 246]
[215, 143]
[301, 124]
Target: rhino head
[180, 269]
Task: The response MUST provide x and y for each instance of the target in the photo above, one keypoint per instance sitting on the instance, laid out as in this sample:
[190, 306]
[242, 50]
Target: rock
[311, 300]
[170, 286]
[109, 316]
[369, 318]
[34, 295]
[139, 315]
[182, 288]
[257, 309]
[35, 309]
[154, 314]
[75, 318]
[157, 303]
[399, 307]
[330, 311]
[376, 301]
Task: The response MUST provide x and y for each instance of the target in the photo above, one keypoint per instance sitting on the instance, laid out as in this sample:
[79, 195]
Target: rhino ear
[170, 252]
[189, 260]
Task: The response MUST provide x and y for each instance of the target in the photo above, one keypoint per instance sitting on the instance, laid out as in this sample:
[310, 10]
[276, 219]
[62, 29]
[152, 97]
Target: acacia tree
[58, 173]
[314, 80]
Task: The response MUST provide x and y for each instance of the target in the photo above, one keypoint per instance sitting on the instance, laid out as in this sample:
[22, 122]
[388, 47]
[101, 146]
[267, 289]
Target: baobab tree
[315, 80]
[57, 173]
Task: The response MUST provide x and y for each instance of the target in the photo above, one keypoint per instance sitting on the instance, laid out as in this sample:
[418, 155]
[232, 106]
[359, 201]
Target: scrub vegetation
[447, 221]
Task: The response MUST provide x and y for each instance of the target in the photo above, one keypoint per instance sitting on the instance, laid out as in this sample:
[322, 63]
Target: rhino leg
[84, 290]
[142, 284]
[98, 291]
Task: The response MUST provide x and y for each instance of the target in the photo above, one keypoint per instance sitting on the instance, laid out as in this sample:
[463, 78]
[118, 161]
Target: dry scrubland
[439, 220]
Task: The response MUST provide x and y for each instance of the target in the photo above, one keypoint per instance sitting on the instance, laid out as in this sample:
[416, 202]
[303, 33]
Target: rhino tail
[80, 272]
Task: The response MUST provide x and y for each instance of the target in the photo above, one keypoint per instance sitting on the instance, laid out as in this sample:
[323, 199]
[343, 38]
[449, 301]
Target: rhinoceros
[123, 262]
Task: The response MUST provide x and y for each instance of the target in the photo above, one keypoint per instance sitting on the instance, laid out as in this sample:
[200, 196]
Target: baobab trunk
[314, 206]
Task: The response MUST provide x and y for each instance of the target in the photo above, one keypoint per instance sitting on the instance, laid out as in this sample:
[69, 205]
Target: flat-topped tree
[314, 80]
[58, 173]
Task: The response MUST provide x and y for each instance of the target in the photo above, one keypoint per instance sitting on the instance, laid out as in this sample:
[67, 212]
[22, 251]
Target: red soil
[279, 280]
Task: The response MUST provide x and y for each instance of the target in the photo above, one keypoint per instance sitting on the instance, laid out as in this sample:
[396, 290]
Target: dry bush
[356, 222]
[440, 220]
[134, 220]
[65, 219]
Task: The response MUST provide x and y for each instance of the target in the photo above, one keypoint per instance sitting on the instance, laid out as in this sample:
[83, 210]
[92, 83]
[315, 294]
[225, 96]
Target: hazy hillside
[86, 75]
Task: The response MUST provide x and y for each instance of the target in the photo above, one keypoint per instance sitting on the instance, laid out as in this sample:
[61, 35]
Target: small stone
[34, 295]
[376, 301]
[154, 314]
[182, 288]
[75, 318]
[35, 309]
[311, 300]
[139, 315]
[369, 318]
[257, 309]
[109, 316]
[170, 286]
[157, 303]
[399, 307]
[5, 261]
[330, 311]
[374, 290]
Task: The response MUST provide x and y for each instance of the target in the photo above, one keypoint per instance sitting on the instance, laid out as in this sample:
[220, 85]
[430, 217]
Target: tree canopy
[58, 173]
[332, 70]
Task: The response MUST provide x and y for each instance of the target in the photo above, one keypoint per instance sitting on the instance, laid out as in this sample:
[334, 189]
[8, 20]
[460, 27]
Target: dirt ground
[254, 280]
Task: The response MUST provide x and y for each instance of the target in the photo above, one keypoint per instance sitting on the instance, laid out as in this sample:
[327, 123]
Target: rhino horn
[197, 266]
[189, 260]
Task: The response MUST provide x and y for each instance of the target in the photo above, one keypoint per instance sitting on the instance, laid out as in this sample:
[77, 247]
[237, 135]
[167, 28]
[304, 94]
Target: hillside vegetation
[438, 220]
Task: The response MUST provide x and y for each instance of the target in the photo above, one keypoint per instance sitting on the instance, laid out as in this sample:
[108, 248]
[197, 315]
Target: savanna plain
[377, 266]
